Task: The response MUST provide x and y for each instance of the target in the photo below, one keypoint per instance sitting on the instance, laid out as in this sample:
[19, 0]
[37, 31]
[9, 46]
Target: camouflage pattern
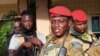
[94, 51]
[88, 48]
[71, 51]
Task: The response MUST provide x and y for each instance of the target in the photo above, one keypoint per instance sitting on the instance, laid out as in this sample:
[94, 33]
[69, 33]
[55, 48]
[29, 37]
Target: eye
[52, 22]
[62, 21]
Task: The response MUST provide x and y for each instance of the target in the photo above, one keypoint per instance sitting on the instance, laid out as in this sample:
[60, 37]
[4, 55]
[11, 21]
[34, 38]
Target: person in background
[59, 41]
[30, 42]
[16, 26]
[79, 30]
[15, 36]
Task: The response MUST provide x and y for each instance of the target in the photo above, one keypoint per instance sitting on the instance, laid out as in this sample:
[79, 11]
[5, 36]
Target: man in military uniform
[59, 41]
[79, 30]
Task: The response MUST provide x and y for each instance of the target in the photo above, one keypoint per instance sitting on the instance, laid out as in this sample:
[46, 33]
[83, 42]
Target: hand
[27, 44]
[36, 41]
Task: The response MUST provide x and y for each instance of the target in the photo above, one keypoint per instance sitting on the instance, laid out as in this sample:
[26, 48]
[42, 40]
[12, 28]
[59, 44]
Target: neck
[60, 40]
[28, 32]
[62, 37]
[74, 32]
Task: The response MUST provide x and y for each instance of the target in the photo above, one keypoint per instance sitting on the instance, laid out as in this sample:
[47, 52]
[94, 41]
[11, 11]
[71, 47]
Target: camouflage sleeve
[94, 51]
[72, 51]
[94, 38]
[76, 52]
[49, 37]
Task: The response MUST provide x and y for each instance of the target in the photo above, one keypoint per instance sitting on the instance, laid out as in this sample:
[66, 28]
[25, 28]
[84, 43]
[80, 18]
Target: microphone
[63, 51]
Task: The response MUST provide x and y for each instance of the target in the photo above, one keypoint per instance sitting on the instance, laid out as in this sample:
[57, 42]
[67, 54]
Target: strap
[62, 45]
[85, 41]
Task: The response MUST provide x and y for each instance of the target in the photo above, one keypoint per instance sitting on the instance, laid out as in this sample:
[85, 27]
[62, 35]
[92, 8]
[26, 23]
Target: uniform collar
[83, 36]
[74, 32]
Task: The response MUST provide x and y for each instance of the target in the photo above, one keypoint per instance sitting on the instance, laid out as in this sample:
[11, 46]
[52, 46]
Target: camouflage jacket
[71, 51]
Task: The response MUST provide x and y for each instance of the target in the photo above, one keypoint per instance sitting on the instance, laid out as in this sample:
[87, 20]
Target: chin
[82, 32]
[58, 35]
[28, 28]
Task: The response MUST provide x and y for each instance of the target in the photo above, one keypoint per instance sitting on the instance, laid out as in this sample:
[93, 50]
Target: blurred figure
[29, 43]
[16, 26]
[33, 40]
[15, 37]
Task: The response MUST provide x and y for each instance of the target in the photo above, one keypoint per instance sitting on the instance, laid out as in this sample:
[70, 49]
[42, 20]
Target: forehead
[16, 23]
[26, 17]
[58, 18]
[80, 22]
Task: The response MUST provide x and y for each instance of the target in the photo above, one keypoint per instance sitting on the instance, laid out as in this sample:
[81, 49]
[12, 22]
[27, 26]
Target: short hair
[17, 19]
[26, 12]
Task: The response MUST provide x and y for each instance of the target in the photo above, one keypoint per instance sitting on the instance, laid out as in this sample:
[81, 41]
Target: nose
[82, 26]
[56, 24]
[27, 23]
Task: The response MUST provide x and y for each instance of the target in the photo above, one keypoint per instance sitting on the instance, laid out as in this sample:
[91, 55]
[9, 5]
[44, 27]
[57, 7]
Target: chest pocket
[52, 50]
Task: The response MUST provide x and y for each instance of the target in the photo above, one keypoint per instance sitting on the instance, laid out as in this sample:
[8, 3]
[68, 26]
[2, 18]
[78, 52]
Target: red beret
[79, 15]
[60, 10]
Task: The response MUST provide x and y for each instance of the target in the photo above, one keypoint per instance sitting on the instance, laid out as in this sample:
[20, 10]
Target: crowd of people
[69, 35]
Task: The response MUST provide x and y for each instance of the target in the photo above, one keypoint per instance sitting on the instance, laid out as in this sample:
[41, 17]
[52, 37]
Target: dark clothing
[28, 51]
[29, 32]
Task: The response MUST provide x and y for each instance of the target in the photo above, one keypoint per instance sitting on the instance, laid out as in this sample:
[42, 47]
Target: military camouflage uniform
[86, 40]
[95, 49]
[71, 51]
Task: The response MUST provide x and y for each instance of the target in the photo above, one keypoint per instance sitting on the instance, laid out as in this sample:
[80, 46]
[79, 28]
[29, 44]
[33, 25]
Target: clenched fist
[35, 41]
[27, 44]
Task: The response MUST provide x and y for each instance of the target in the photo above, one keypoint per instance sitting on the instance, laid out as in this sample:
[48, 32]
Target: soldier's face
[59, 25]
[27, 21]
[80, 26]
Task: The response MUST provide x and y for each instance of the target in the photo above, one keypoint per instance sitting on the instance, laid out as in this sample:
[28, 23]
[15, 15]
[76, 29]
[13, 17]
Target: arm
[12, 46]
[12, 52]
[77, 52]
[94, 51]
[36, 41]
[15, 45]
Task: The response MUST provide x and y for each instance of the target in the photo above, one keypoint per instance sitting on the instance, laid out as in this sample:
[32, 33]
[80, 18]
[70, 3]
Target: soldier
[79, 30]
[59, 41]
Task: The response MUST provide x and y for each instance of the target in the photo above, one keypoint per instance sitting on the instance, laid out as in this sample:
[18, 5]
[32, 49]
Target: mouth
[57, 31]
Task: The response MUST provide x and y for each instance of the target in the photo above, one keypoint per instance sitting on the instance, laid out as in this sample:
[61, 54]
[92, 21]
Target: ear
[70, 23]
